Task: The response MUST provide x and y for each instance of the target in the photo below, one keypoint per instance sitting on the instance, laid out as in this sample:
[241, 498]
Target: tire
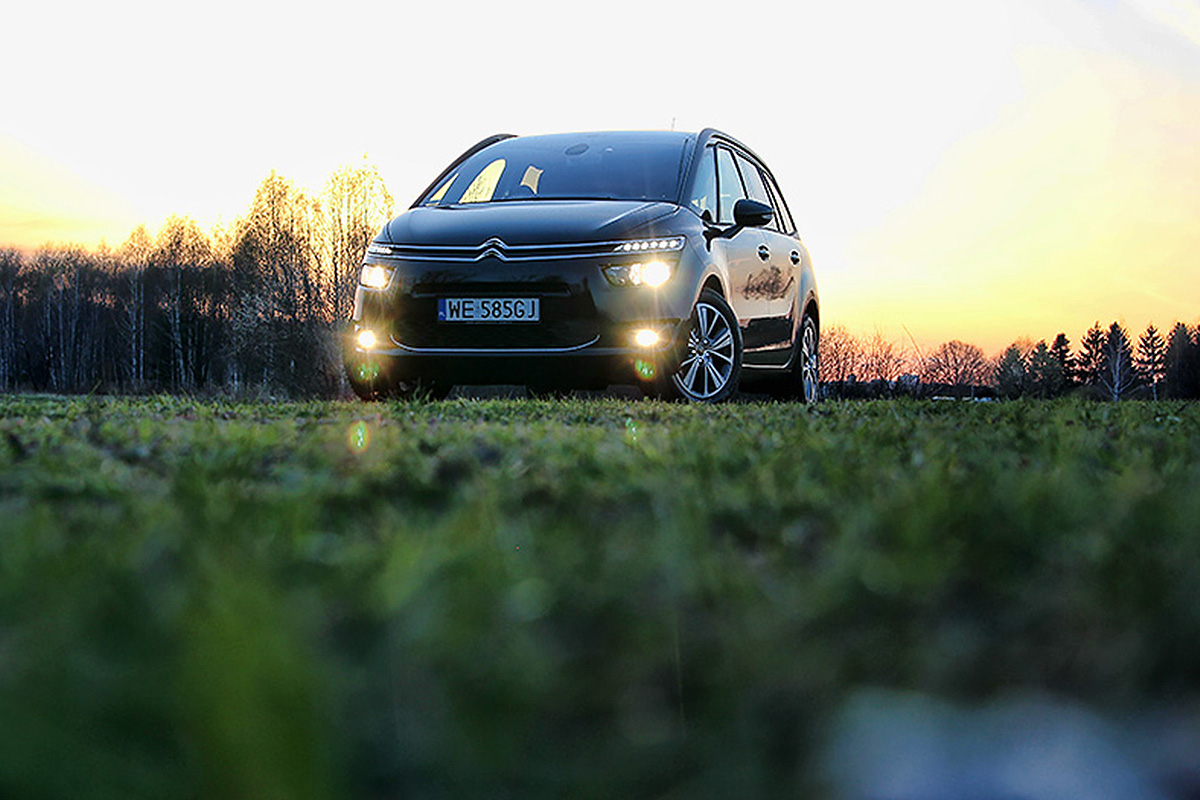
[710, 361]
[808, 366]
[802, 380]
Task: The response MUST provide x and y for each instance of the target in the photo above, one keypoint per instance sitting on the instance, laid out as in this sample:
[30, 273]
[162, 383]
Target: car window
[729, 185]
[620, 166]
[704, 190]
[484, 185]
[755, 188]
[786, 224]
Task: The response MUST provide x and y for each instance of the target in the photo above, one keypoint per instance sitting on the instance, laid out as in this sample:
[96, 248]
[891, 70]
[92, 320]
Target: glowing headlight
[648, 273]
[375, 276]
[367, 340]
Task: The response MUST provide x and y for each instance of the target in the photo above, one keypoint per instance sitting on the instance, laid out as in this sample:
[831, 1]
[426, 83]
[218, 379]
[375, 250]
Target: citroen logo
[493, 247]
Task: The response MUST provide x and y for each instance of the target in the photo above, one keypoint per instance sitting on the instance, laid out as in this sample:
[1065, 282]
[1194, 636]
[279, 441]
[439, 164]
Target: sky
[985, 170]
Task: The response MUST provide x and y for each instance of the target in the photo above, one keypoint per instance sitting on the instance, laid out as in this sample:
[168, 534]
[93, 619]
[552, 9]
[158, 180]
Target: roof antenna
[672, 123]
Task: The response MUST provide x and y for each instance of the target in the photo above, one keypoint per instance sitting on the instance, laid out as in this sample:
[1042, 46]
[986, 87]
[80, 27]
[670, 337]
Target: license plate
[488, 309]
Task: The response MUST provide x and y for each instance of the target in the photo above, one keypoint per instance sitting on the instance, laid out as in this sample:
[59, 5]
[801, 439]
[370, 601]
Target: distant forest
[1109, 364]
[258, 309]
[255, 309]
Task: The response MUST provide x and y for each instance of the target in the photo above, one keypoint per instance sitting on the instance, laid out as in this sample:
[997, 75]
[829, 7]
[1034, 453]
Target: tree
[1151, 361]
[956, 364]
[882, 359]
[355, 204]
[134, 255]
[12, 264]
[1011, 372]
[1182, 377]
[1046, 377]
[1091, 356]
[1061, 351]
[1117, 376]
[840, 354]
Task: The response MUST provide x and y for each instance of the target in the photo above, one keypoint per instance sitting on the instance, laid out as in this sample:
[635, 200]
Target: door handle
[796, 257]
[764, 252]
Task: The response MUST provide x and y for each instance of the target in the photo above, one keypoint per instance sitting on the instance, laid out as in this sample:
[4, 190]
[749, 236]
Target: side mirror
[752, 213]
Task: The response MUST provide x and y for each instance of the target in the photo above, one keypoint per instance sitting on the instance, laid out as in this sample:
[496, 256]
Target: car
[568, 261]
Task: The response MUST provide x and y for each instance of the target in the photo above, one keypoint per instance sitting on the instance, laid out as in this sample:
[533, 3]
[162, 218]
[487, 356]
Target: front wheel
[711, 361]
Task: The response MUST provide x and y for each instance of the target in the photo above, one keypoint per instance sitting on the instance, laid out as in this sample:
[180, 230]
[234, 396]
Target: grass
[585, 598]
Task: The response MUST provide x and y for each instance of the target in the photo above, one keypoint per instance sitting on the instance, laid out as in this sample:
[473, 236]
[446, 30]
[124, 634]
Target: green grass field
[583, 598]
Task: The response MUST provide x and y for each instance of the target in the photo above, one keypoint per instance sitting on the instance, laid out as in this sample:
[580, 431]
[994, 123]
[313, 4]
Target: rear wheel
[710, 364]
[809, 367]
[803, 380]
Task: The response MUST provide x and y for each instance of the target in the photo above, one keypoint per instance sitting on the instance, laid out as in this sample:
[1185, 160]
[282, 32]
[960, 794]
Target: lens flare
[358, 438]
[367, 340]
[645, 369]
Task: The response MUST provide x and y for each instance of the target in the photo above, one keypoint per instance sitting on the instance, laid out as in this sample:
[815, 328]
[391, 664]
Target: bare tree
[956, 364]
[134, 256]
[882, 359]
[11, 266]
[841, 354]
[355, 205]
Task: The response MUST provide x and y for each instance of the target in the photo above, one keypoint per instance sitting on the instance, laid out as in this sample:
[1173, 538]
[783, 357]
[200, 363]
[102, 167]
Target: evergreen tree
[1010, 373]
[1091, 356]
[1182, 356]
[1061, 350]
[1046, 377]
[1117, 376]
[1151, 358]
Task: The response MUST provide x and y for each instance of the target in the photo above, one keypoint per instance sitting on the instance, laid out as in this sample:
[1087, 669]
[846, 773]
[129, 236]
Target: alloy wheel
[709, 359]
[809, 366]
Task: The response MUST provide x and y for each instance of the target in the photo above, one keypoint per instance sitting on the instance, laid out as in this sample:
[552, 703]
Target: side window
[756, 189]
[729, 185]
[704, 190]
[786, 224]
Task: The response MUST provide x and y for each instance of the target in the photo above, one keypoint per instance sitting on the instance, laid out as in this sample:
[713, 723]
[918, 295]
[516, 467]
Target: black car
[581, 260]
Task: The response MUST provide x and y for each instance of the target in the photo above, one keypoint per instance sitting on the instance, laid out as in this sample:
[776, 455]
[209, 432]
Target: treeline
[250, 309]
[1108, 365]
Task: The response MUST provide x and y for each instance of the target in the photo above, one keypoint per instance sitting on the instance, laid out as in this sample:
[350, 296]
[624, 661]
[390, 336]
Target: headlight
[374, 276]
[640, 273]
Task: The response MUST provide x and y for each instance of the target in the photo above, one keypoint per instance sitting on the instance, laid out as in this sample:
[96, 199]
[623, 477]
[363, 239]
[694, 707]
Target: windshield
[631, 166]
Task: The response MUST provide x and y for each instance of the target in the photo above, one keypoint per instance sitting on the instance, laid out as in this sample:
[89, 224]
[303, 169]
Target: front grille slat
[497, 248]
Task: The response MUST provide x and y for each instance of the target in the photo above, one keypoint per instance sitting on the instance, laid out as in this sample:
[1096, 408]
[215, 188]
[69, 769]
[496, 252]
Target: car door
[773, 281]
[742, 256]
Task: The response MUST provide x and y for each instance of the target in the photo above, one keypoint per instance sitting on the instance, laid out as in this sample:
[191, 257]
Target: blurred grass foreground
[598, 599]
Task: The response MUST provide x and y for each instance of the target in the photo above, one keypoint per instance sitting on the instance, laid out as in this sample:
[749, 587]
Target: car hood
[526, 222]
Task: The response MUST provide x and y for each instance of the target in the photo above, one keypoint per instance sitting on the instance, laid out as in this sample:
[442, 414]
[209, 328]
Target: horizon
[990, 174]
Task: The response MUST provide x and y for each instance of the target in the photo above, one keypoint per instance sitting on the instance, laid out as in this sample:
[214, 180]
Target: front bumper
[588, 366]
[583, 339]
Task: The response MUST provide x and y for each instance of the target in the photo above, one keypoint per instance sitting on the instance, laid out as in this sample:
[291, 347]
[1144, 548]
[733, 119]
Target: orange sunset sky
[982, 170]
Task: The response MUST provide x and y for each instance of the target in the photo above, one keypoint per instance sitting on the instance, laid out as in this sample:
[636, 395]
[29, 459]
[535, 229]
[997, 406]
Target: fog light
[367, 340]
[646, 337]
